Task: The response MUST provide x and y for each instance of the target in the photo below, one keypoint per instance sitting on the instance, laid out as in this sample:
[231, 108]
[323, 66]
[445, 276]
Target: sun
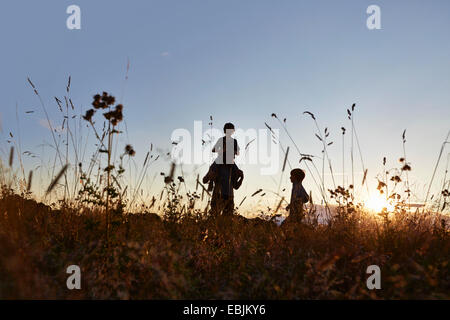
[377, 203]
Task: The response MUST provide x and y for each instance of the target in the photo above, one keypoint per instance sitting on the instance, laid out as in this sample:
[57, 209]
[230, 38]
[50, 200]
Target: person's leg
[215, 204]
[296, 212]
[238, 177]
[292, 212]
[211, 174]
[228, 209]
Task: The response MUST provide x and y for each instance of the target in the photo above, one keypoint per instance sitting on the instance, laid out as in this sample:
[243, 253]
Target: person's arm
[304, 195]
[291, 200]
[217, 147]
[237, 147]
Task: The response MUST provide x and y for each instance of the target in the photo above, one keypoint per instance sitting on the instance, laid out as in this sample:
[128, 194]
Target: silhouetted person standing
[299, 196]
[224, 174]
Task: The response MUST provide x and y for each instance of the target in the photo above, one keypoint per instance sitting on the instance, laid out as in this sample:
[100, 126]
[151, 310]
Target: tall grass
[189, 256]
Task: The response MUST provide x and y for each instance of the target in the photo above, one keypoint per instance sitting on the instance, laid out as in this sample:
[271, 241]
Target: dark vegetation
[183, 253]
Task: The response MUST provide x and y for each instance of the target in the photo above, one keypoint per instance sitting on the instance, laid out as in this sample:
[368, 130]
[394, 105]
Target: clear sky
[238, 61]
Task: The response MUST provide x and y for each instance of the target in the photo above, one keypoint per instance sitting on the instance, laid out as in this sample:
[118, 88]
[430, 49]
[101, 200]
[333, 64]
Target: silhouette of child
[226, 147]
[299, 196]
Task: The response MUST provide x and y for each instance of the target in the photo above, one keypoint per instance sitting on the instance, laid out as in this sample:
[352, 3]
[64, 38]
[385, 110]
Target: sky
[237, 61]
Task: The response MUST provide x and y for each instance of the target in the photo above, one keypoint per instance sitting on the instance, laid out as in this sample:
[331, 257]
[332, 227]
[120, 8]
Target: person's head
[297, 175]
[228, 129]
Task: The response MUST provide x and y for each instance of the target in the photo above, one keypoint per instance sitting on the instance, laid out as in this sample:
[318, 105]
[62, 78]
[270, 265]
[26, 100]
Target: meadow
[171, 248]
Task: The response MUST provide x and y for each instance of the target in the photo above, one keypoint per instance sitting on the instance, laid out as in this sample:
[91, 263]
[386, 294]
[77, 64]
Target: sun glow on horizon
[377, 203]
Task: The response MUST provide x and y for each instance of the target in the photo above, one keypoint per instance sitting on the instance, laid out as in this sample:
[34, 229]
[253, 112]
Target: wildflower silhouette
[113, 116]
